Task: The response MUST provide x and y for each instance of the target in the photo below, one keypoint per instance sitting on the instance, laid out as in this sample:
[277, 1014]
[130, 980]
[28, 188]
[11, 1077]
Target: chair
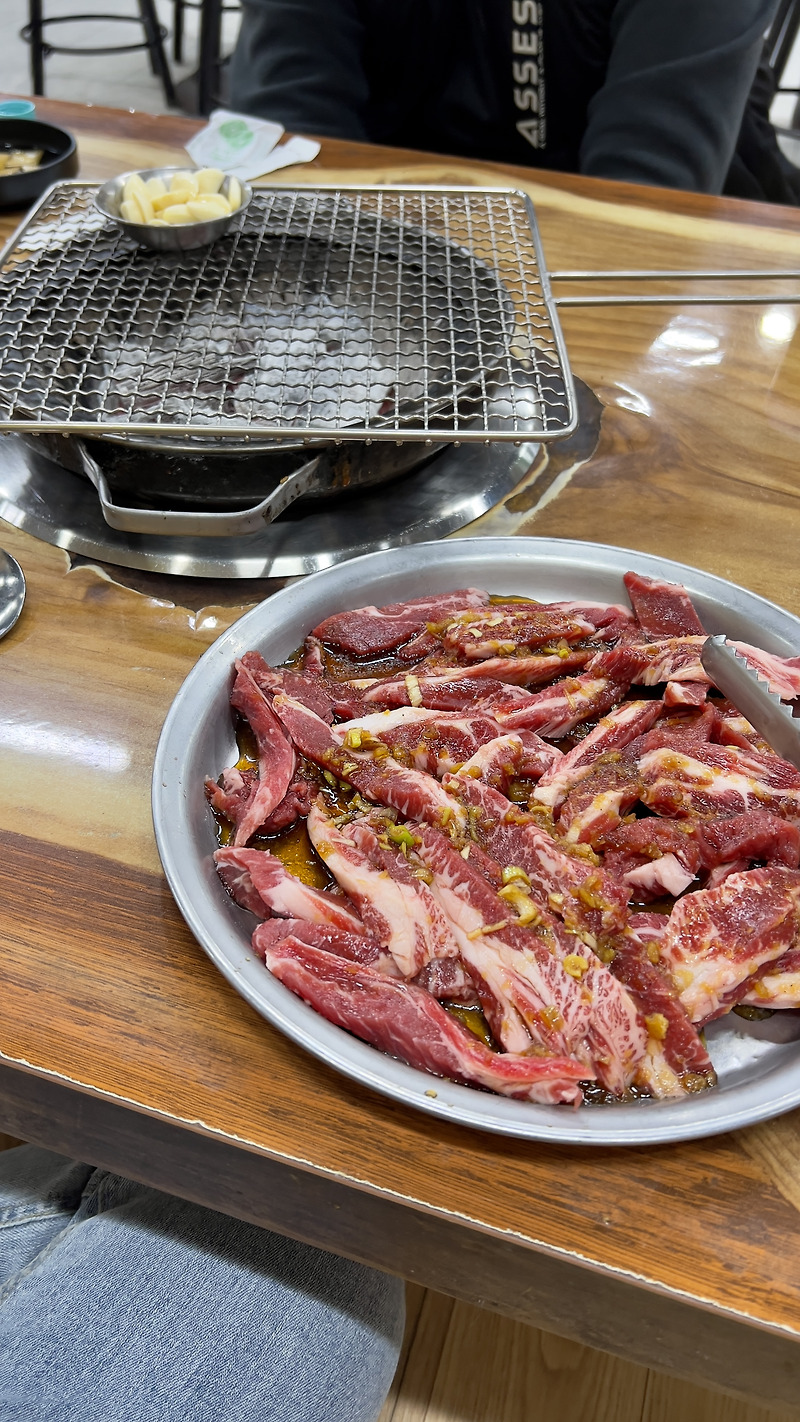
[781, 39]
[210, 58]
[153, 36]
[178, 8]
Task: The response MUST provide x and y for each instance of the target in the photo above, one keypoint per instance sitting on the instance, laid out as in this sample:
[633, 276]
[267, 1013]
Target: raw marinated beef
[276, 763]
[232, 797]
[778, 986]
[295, 805]
[408, 1023]
[685, 693]
[368, 631]
[585, 897]
[558, 710]
[564, 988]
[412, 792]
[611, 734]
[520, 755]
[258, 881]
[755, 835]
[311, 690]
[662, 609]
[425, 740]
[653, 857]
[433, 686]
[358, 947]
[675, 1056]
[313, 664]
[448, 980]
[717, 939]
[599, 801]
[397, 909]
[522, 985]
[708, 780]
[494, 805]
[677, 659]
[504, 632]
[782, 674]
[233, 794]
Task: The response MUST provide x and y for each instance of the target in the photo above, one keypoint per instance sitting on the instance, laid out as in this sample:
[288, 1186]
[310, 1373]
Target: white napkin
[294, 150]
[245, 147]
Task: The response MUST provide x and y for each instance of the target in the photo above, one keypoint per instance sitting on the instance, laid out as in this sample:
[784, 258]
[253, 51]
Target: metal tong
[752, 696]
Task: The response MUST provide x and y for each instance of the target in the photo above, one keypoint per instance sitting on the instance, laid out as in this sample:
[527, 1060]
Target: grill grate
[350, 313]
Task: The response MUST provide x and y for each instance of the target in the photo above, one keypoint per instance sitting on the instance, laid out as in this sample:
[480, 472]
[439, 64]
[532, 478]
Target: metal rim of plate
[325, 313]
[757, 1079]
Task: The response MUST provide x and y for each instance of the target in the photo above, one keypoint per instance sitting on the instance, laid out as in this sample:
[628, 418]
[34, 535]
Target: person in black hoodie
[647, 91]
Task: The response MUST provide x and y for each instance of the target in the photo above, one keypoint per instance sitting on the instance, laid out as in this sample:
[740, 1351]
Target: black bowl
[60, 159]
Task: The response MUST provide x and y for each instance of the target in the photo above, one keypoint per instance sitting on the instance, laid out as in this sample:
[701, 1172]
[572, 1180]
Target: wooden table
[122, 1045]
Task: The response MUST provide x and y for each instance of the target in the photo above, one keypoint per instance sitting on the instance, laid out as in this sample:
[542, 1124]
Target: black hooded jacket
[648, 91]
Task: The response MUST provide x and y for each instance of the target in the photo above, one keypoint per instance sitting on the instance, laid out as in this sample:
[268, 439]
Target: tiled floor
[122, 80]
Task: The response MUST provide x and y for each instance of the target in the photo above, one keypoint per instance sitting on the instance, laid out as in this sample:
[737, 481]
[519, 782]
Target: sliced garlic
[210, 180]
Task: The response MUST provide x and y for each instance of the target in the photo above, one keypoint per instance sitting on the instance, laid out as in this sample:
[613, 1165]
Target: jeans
[121, 1304]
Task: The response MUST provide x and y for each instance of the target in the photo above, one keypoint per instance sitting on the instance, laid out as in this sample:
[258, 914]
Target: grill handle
[309, 478]
[637, 298]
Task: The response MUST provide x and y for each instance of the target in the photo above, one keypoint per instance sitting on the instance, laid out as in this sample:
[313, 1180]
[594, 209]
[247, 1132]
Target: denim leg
[39, 1194]
[145, 1308]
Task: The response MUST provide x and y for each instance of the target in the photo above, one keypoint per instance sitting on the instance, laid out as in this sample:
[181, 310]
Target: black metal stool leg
[151, 58]
[155, 48]
[37, 45]
[781, 36]
[177, 31]
[210, 42]
[781, 39]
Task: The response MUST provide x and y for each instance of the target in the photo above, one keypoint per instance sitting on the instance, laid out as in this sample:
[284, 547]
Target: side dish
[525, 846]
[19, 160]
[192, 195]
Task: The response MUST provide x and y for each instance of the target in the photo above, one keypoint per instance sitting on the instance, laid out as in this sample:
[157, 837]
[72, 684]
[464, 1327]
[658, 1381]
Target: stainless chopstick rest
[773, 720]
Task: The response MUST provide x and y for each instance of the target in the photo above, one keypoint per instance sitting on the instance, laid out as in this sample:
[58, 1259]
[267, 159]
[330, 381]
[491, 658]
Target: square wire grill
[333, 313]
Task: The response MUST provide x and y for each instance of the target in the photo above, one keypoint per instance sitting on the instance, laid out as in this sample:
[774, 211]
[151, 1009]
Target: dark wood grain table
[122, 1045]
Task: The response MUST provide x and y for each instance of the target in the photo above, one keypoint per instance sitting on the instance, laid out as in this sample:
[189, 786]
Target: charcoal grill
[335, 339]
[451, 490]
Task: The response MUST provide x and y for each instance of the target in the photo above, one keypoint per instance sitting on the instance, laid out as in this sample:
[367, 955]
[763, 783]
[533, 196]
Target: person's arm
[300, 62]
[677, 83]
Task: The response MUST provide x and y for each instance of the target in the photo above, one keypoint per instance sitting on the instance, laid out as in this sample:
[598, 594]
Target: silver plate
[758, 1077]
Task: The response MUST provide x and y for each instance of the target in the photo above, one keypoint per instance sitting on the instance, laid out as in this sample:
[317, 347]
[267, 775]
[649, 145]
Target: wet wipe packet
[245, 147]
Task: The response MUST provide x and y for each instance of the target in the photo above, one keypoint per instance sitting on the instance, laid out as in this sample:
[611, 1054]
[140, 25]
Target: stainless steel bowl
[168, 239]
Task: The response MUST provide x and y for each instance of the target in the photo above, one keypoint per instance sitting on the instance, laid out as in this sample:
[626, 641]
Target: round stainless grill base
[456, 487]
